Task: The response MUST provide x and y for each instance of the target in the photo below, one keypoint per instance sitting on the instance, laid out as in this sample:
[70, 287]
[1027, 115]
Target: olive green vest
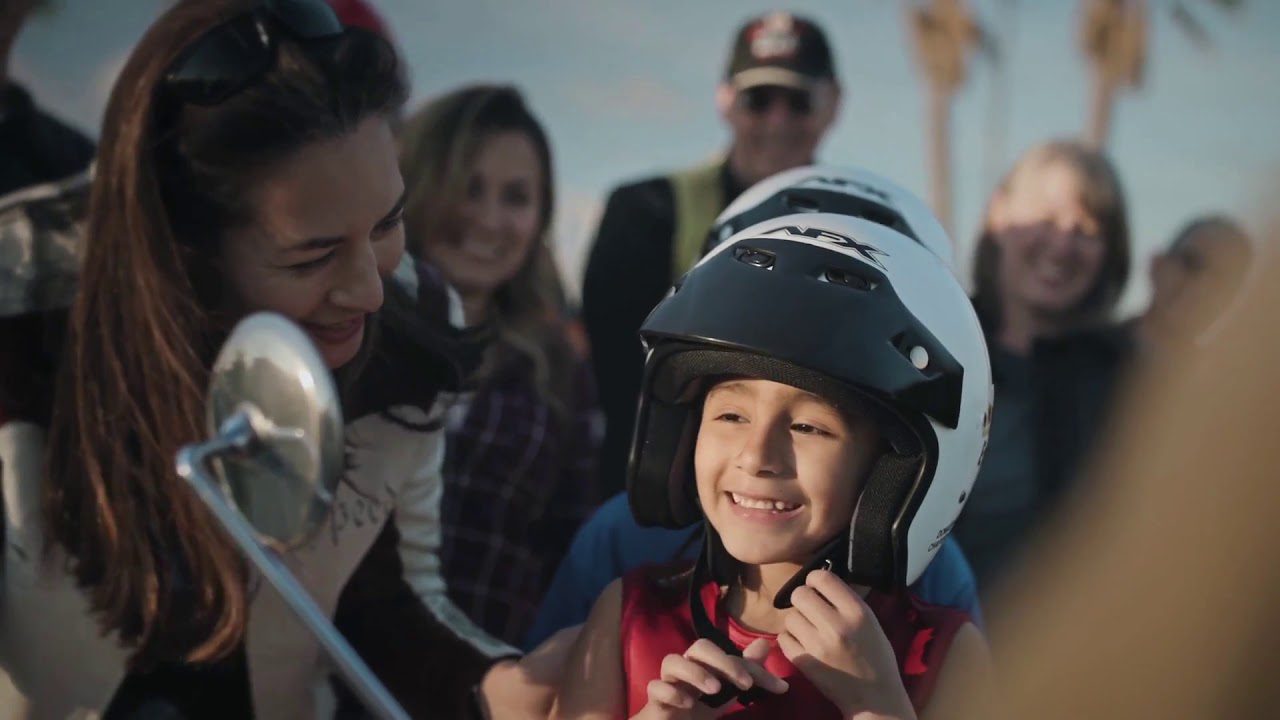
[699, 198]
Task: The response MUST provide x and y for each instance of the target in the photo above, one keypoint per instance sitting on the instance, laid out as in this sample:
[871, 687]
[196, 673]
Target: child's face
[778, 469]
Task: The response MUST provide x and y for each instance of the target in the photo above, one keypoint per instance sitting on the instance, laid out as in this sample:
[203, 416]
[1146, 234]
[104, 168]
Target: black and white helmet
[834, 189]
[847, 308]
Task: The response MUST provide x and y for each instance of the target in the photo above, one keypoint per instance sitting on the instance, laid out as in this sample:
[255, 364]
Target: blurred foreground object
[1193, 281]
[1155, 595]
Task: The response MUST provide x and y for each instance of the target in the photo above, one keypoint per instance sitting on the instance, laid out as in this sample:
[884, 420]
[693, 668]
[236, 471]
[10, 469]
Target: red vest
[656, 623]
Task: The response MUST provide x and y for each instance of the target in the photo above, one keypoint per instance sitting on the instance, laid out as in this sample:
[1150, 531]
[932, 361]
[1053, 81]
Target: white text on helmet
[868, 252]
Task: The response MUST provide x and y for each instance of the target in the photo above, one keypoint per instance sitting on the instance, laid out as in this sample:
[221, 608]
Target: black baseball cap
[780, 49]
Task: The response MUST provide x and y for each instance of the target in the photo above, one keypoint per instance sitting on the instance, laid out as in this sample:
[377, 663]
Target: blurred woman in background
[522, 442]
[1052, 260]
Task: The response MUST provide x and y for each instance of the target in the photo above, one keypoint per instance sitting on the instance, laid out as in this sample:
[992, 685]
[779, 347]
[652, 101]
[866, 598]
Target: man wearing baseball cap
[779, 96]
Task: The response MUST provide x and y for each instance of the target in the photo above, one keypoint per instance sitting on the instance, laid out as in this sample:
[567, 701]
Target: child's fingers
[756, 653]
[677, 668]
[670, 695]
[821, 614]
[837, 592]
[790, 646]
[802, 629]
[758, 650]
[795, 652]
[709, 654]
[742, 672]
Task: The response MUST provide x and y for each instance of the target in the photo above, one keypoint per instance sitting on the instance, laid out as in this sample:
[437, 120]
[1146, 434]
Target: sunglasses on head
[233, 55]
[760, 98]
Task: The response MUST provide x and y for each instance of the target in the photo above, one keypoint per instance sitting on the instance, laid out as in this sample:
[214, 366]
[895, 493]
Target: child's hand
[701, 671]
[833, 638]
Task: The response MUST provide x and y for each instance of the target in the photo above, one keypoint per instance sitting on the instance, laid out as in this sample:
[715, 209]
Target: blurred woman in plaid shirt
[522, 443]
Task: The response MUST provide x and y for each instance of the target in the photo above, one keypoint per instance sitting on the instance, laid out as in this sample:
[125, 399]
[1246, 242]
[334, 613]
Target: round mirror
[269, 373]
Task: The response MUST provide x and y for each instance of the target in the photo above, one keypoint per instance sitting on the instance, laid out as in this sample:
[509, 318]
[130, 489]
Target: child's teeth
[774, 505]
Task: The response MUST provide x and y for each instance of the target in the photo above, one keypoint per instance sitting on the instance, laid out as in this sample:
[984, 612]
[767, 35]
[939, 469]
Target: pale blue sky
[625, 89]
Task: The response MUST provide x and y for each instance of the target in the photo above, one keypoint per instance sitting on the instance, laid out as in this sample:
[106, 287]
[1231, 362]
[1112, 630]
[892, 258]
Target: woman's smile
[337, 341]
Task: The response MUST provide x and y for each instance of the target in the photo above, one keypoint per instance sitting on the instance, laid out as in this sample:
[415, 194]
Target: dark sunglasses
[757, 100]
[233, 55]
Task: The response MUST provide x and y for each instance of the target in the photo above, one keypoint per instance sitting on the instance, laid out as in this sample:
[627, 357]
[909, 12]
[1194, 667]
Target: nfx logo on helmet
[870, 253]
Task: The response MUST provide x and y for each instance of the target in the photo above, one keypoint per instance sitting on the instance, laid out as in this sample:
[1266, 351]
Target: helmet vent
[800, 203]
[755, 257]
[836, 276]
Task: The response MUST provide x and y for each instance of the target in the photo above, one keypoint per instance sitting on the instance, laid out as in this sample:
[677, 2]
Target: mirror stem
[237, 435]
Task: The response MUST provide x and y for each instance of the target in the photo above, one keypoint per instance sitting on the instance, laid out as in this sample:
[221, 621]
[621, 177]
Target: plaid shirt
[519, 480]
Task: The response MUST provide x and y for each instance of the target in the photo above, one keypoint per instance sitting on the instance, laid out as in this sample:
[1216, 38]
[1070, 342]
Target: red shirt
[656, 623]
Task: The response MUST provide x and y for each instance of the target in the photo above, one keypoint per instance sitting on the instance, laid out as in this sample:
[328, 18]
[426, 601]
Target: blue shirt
[612, 543]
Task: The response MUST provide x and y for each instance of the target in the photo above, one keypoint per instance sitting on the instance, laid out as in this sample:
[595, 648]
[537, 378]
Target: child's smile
[766, 509]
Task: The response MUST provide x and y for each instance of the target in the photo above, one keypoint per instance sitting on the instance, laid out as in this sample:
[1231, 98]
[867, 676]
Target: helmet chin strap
[833, 556]
[711, 566]
[707, 570]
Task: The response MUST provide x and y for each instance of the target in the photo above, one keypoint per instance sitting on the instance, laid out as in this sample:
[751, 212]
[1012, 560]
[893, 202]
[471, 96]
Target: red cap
[360, 13]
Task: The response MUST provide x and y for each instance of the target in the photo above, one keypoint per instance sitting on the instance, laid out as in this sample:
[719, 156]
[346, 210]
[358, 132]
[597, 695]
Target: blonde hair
[438, 145]
[1102, 197]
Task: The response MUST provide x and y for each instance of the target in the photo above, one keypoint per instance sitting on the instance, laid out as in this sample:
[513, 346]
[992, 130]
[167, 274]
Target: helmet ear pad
[876, 542]
[661, 486]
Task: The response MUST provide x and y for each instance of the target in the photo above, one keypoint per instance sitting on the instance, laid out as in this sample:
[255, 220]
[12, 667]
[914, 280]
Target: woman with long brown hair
[246, 164]
[521, 450]
[1052, 260]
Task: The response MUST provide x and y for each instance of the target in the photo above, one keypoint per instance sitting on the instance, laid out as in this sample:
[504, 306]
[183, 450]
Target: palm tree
[999, 48]
[1113, 38]
[944, 33]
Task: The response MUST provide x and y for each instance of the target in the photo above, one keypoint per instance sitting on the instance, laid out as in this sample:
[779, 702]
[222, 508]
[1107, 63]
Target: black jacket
[628, 273]
[1076, 380]
[35, 147]
[1063, 392]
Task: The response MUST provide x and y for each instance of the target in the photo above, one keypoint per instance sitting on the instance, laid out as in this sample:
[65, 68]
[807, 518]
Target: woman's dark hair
[1101, 196]
[438, 146]
[170, 180]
